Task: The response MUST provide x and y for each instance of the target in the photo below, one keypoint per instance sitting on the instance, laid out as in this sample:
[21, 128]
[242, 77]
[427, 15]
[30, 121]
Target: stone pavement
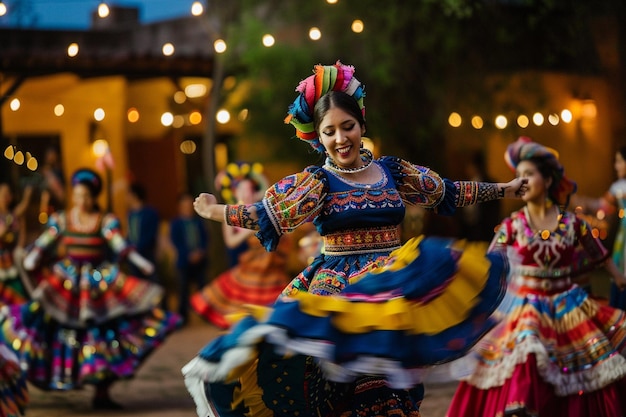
[158, 389]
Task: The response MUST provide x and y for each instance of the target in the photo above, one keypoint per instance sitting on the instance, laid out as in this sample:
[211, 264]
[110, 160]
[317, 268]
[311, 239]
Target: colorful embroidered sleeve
[54, 227]
[418, 185]
[472, 192]
[111, 231]
[289, 203]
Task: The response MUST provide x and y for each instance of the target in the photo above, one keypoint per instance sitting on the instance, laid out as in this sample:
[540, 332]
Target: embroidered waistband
[545, 284]
[362, 241]
[533, 271]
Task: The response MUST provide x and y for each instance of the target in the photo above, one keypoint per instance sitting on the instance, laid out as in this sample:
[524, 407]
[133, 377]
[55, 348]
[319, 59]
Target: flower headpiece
[235, 172]
[524, 148]
[325, 78]
[88, 178]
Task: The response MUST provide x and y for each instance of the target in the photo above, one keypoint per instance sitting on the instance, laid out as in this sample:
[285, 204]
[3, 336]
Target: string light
[3, 8]
[222, 116]
[315, 34]
[268, 40]
[357, 26]
[196, 8]
[15, 104]
[99, 147]
[103, 10]
[12, 154]
[168, 49]
[219, 46]
[72, 49]
[523, 121]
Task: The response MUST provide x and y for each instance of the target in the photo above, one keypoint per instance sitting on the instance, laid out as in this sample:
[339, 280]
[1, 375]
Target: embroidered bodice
[83, 245]
[337, 205]
[568, 249]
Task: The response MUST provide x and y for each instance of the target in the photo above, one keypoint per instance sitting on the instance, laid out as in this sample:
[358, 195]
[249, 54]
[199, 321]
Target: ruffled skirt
[77, 295]
[365, 350]
[553, 355]
[86, 326]
[258, 279]
[13, 393]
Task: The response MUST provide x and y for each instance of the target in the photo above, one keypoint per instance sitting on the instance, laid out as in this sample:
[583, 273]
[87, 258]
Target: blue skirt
[367, 348]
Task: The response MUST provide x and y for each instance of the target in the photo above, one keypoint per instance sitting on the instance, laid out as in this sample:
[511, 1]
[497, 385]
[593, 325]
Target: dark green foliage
[414, 57]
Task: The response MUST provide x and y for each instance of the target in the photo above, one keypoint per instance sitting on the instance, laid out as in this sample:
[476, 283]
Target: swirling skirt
[364, 351]
[60, 357]
[85, 325]
[258, 279]
[13, 394]
[554, 354]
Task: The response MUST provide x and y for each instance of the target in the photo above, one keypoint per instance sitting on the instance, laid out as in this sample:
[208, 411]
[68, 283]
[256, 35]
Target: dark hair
[340, 100]
[139, 191]
[622, 151]
[89, 178]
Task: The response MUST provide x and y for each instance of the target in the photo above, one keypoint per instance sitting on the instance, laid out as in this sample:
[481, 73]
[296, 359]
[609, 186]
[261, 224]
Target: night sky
[76, 14]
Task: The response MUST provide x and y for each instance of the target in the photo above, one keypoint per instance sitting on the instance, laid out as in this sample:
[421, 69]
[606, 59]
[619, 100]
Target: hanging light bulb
[103, 10]
[197, 8]
[32, 163]
[3, 8]
[18, 158]
[9, 152]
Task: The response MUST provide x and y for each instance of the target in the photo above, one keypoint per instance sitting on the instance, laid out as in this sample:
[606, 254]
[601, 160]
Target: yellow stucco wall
[80, 99]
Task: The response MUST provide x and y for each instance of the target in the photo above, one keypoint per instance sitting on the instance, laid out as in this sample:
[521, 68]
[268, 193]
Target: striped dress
[13, 393]
[556, 352]
[88, 321]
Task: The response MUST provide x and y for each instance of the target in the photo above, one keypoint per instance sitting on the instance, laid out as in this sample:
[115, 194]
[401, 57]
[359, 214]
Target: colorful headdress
[338, 77]
[227, 180]
[524, 148]
[89, 178]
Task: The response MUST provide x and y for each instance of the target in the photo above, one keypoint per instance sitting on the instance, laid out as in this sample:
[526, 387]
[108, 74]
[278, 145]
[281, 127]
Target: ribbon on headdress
[89, 178]
[325, 78]
[524, 149]
[227, 180]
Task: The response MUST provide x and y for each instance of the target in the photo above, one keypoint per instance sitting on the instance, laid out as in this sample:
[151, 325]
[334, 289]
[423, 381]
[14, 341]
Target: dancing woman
[88, 322]
[556, 352]
[336, 310]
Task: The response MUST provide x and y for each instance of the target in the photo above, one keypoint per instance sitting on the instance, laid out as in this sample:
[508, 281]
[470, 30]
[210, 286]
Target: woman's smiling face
[340, 133]
[82, 198]
[537, 184]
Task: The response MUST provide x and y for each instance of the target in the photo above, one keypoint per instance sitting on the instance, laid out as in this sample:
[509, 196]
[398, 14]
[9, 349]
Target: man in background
[190, 238]
[143, 228]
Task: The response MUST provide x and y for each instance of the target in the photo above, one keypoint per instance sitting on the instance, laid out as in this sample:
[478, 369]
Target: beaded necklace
[544, 233]
[366, 157]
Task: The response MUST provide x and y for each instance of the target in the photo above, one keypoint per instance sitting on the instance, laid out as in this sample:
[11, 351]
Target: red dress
[556, 351]
[258, 278]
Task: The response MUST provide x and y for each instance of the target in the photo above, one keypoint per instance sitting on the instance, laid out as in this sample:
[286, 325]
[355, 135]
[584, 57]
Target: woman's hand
[31, 260]
[515, 188]
[203, 203]
[140, 262]
[620, 281]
